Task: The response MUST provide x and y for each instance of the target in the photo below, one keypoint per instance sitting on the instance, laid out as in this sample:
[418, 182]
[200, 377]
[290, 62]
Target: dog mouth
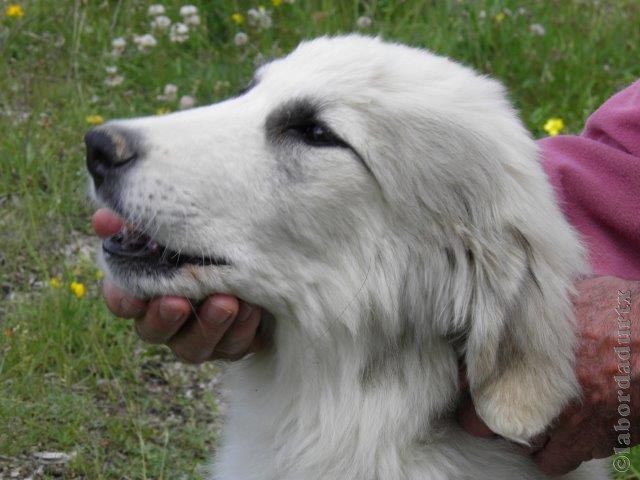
[132, 246]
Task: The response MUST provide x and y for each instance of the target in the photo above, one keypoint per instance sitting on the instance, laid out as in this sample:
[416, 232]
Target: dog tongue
[106, 222]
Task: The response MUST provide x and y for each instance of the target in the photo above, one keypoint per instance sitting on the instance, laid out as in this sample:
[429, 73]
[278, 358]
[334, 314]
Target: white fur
[454, 246]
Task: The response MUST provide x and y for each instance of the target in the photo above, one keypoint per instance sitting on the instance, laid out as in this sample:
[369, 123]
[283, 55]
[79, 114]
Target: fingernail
[169, 313]
[131, 307]
[244, 313]
[217, 312]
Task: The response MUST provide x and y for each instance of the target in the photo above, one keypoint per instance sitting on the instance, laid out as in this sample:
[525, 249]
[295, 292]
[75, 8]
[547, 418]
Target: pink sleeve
[596, 176]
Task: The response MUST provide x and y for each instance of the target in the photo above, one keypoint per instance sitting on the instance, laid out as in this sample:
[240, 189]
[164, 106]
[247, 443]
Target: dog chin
[142, 266]
[192, 281]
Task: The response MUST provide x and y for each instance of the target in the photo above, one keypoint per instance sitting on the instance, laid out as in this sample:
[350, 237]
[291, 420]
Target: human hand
[222, 327]
[585, 429]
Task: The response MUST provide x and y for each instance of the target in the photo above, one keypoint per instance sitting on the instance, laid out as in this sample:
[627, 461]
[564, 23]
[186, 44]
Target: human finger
[121, 304]
[195, 342]
[162, 320]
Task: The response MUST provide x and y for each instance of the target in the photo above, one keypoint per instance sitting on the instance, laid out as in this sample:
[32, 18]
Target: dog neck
[367, 392]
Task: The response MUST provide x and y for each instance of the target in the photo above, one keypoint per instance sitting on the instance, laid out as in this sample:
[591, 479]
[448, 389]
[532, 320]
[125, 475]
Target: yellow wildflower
[94, 119]
[15, 11]
[78, 289]
[553, 126]
[162, 111]
[276, 3]
[54, 282]
[8, 332]
[237, 18]
[500, 16]
[99, 274]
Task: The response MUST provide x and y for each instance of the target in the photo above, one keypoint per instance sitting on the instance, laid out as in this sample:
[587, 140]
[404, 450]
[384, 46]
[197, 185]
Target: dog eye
[317, 135]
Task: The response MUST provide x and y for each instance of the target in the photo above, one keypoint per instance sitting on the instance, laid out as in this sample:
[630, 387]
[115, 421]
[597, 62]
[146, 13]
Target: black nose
[108, 150]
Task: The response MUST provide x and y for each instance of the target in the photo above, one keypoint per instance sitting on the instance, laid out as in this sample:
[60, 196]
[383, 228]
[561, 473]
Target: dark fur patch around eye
[293, 113]
[281, 124]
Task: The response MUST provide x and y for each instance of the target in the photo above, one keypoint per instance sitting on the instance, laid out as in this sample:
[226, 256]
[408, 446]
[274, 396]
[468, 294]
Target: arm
[596, 176]
[607, 417]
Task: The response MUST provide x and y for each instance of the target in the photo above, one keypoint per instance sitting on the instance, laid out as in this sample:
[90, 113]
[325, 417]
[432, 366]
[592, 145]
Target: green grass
[74, 379]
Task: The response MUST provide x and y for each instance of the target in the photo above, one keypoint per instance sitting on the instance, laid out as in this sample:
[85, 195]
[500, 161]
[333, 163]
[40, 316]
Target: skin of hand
[585, 429]
[222, 327]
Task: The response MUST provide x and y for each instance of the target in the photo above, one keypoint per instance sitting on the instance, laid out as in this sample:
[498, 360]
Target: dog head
[366, 176]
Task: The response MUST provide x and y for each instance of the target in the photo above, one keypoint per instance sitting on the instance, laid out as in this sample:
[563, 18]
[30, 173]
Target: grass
[72, 378]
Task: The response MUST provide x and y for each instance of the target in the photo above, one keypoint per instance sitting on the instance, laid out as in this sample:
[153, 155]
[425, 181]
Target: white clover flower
[265, 20]
[145, 42]
[240, 39]
[537, 29]
[169, 94]
[482, 14]
[119, 42]
[253, 15]
[523, 11]
[117, 46]
[290, 2]
[113, 80]
[259, 17]
[188, 10]
[187, 102]
[364, 22]
[179, 33]
[170, 90]
[193, 20]
[155, 10]
[161, 22]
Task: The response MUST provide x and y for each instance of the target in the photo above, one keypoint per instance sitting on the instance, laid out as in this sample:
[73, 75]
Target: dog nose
[108, 150]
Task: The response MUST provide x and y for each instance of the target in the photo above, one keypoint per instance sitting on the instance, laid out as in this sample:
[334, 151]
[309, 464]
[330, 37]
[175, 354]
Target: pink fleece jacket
[596, 176]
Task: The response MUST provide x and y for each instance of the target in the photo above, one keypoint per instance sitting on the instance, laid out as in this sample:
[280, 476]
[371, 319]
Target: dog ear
[520, 331]
[506, 258]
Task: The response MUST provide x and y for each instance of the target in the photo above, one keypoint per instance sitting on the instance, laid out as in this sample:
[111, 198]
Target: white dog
[388, 209]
